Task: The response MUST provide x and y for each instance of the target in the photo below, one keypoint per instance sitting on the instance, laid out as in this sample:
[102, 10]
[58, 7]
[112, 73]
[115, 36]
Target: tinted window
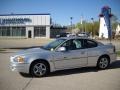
[90, 44]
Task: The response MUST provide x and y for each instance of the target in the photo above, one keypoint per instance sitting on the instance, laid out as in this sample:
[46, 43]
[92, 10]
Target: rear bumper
[20, 67]
[113, 57]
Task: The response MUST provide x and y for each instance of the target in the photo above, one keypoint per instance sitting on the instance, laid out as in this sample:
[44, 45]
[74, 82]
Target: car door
[92, 50]
[74, 56]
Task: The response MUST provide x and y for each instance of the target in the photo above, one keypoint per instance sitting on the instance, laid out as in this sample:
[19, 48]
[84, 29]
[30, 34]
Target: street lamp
[92, 26]
[71, 18]
[81, 22]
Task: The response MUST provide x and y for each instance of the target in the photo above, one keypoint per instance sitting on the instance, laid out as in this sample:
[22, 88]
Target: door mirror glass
[61, 49]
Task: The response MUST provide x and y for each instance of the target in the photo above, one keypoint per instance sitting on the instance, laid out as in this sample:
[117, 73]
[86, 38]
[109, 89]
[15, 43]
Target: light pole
[71, 18]
[81, 22]
[92, 27]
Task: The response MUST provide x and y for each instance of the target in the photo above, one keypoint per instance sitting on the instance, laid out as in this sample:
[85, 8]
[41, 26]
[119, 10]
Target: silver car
[63, 53]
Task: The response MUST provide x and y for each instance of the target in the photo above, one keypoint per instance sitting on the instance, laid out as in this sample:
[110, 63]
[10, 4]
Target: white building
[103, 31]
[25, 25]
[117, 30]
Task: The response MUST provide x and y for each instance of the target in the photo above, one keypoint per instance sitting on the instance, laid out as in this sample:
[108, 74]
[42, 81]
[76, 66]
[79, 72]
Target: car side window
[69, 45]
[90, 44]
[73, 44]
[78, 43]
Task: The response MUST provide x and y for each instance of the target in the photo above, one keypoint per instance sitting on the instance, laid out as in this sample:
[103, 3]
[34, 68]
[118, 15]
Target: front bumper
[20, 67]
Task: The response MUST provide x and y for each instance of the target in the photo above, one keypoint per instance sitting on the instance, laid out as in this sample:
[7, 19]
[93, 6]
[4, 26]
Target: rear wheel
[39, 69]
[103, 62]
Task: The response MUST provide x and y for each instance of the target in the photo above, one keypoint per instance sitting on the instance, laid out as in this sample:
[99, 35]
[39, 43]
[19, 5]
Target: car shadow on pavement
[26, 75]
[114, 65]
[73, 71]
[64, 72]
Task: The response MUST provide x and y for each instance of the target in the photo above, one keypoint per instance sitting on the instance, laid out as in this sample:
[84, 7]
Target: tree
[96, 27]
[88, 27]
[114, 22]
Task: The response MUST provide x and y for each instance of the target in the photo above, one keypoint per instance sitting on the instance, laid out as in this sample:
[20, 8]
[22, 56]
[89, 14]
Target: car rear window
[90, 44]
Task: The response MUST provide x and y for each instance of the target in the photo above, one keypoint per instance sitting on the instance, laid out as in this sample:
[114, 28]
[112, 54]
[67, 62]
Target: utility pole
[81, 22]
[92, 27]
[71, 18]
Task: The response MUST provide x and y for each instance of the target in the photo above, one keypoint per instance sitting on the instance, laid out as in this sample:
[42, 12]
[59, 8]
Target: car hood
[31, 51]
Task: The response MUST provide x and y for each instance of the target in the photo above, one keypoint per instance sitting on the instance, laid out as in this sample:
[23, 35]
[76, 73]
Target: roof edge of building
[12, 14]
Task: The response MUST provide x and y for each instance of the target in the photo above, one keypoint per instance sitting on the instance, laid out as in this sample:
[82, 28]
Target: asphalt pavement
[27, 43]
[75, 79]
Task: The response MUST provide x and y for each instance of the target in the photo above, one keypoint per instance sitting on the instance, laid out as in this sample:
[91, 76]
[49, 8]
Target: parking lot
[26, 43]
[75, 79]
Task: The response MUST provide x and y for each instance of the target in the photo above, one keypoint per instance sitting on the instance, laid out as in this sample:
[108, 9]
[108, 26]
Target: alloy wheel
[103, 63]
[39, 69]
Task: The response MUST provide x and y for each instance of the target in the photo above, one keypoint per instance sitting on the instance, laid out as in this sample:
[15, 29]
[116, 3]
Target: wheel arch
[104, 55]
[38, 60]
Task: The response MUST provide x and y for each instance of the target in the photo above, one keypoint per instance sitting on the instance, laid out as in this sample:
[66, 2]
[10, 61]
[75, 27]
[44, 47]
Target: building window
[0, 31]
[23, 31]
[40, 31]
[12, 31]
[8, 31]
[4, 31]
[18, 31]
[15, 32]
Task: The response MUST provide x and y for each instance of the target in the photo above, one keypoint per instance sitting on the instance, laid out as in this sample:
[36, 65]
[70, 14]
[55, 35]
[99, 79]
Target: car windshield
[51, 46]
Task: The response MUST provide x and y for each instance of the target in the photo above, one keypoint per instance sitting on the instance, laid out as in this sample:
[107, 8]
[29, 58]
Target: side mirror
[61, 49]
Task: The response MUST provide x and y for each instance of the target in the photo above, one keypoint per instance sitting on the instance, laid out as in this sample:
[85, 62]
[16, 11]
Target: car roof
[75, 37]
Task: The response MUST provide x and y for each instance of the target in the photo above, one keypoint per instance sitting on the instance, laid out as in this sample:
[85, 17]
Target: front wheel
[39, 69]
[103, 62]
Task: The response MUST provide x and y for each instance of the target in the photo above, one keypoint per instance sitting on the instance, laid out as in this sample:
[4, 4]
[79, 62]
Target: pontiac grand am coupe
[63, 53]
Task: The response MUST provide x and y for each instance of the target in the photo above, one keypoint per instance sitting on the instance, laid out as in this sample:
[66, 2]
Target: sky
[61, 10]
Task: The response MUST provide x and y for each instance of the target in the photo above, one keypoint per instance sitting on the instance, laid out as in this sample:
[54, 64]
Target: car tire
[103, 62]
[39, 69]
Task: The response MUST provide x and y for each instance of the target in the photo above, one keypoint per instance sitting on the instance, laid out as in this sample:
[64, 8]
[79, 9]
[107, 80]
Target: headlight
[20, 59]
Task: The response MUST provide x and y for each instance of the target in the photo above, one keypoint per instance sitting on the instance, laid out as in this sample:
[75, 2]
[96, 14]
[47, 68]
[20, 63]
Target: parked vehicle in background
[63, 53]
[62, 35]
[65, 35]
[84, 34]
[71, 35]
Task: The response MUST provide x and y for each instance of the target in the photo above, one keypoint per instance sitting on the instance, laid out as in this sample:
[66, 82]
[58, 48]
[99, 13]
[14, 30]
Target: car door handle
[65, 57]
[83, 52]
